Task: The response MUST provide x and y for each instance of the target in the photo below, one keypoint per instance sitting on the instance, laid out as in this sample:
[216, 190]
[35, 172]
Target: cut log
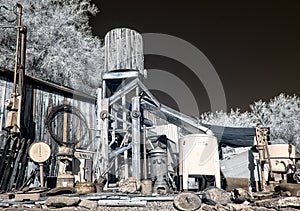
[187, 201]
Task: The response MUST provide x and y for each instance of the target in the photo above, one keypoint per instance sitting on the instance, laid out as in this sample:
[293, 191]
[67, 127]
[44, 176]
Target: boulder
[89, 204]
[62, 201]
[240, 195]
[130, 185]
[213, 196]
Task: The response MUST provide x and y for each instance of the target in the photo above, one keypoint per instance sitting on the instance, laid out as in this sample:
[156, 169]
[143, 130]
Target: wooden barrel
[124, 50]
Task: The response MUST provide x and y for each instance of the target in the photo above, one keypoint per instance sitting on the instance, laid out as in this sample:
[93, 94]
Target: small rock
[222, 208]
[62, 201]
[88, 204]
[206, 207]
[213, 196]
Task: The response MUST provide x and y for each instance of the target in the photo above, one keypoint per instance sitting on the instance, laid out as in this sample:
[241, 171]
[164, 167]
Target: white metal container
[198, 155]
[282, 156]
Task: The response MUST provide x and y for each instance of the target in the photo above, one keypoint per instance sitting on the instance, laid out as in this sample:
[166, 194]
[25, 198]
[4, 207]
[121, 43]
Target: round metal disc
[39, 152]
[187, 201]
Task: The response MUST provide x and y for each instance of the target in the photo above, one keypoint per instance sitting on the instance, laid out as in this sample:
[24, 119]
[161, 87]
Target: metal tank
[198, 155]
[159, 170]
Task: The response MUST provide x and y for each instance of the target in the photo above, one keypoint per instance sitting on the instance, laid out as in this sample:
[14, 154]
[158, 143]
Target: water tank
[124, 50]
[198, 155]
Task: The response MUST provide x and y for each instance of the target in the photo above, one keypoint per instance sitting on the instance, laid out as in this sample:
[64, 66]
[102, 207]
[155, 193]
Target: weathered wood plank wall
[39, 100]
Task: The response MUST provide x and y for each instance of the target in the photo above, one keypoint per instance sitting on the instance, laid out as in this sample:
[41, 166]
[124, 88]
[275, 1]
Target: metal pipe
[119, 151]
[20, 8]
[41, 174]
[22, 58]
[145, 152]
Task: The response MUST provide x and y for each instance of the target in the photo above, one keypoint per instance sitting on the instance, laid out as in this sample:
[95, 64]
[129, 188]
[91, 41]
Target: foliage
[281, 114]
[60, 45]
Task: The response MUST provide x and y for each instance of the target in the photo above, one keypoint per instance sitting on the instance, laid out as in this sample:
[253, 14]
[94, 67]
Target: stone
[240, 195]
[206, 207]
[220, 207]
[263, 209]
[289, 202]
[85, 187]
[130, 185]
[289, 209]
[27, 197]
[187, 201]
[6, 196]
[268, 203]
[293, 188]
[88, 204]
[62, 201]
[213, 196]
[239, 207]
[61, 190]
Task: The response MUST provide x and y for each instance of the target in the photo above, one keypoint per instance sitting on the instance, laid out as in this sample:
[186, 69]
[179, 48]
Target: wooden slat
[78, 127]
[65, 124]
[2, 104]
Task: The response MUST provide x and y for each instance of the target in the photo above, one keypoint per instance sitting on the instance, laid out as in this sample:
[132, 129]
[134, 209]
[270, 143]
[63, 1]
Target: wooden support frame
[136, 138]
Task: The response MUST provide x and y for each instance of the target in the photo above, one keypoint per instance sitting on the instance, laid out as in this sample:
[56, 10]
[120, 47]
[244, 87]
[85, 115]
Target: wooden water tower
[123, 71]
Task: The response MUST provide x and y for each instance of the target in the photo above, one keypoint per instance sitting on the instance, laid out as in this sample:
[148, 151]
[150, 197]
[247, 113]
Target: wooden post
[104, 117]
[136, 138]
[126, 172]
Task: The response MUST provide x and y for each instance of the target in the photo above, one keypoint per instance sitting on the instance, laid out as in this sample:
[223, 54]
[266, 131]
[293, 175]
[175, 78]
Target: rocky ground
[209, 200]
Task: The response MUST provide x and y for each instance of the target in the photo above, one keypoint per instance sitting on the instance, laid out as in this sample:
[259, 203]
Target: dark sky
[254, 45]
